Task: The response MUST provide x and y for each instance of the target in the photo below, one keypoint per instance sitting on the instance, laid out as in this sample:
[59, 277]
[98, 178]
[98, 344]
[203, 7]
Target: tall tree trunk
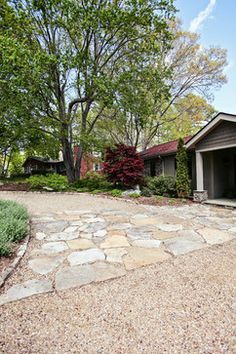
[67, 154]
[79, 157]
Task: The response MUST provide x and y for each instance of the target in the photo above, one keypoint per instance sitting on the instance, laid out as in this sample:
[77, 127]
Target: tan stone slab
[215, 236]
[117, 219]
[163, 235]
[138, 257]
[146, 221]
[116, 233]
[80, 244]
[112, 242]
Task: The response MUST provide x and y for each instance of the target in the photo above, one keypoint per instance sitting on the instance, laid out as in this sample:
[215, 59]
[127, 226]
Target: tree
[80, 52]
[185, 118]
[191, 72]
[123, 166]
[182, 173]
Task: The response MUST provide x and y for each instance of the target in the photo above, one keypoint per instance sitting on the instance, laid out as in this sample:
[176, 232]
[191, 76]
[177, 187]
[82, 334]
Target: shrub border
[6, 273]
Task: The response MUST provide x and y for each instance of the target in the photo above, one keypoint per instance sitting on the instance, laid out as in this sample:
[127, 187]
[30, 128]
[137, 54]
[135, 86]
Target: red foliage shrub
[123, 165]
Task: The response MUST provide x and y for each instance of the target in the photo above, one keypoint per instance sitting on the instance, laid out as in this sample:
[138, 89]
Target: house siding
[222, 136]
[169, 165]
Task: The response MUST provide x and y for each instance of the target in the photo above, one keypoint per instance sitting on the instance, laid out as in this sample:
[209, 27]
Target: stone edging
[6, 273]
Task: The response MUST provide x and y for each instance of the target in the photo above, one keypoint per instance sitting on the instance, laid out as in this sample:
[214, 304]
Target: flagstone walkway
[71, 248]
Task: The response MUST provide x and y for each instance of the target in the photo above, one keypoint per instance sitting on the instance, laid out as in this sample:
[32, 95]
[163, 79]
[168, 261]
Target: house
[160, 159]
[212, 159]
[39, 165]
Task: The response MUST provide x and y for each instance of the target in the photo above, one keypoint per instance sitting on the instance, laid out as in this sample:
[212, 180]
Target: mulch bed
[15, 187]
[163, 201]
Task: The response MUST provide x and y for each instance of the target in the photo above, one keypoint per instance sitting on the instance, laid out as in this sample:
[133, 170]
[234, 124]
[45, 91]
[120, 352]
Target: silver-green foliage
[13, 225]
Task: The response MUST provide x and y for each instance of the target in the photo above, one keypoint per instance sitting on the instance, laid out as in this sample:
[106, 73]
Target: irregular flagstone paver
[70, 277]
[190, 241]
[139, 233]
[163, 235]
[232, 229]
[71, 229]
[87, 256]
[92, 220]
[93, 227]
[214, 236]
[45, 264]
[40, 236]
[56, 226]
[26, 289]
[147, 243]
[110, 241]
[116, 233]
[118, 241]
[81, 244]
[85, 235]
[104, 271]
[121, 226]
[54, 247]
[170, 227]
[115, 254]
[76, 223]
[138, 257]
[100, 233]
[63, 236]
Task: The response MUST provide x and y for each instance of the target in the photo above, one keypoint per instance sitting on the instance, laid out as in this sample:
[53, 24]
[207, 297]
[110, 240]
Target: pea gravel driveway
[183, 301]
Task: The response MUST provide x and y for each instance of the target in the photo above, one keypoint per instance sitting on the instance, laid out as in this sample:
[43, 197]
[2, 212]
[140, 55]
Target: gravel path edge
[6, 273]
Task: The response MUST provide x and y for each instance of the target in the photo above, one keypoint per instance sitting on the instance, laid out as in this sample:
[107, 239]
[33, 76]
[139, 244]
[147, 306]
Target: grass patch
[13, 225]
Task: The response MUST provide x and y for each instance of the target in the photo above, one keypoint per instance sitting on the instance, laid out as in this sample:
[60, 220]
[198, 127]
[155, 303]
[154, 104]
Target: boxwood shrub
[162, 185]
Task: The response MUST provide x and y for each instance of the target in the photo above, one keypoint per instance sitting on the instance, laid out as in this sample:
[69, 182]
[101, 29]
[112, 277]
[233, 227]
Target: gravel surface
[44, 203]
[184, 305]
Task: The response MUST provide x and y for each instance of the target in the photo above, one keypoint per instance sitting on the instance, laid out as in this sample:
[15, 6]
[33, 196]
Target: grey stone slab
[86, 256]
[63, 236]
[56, 226]
[71, 229]
[71, 277]
[139, 233]
[120, 226]
[170, 227]
[54, 247]
[115, 255]
[189, 241]
[40, 236]
[100, 233]
[26, 289]
[147, 243]
[45, 264]
[93, 227]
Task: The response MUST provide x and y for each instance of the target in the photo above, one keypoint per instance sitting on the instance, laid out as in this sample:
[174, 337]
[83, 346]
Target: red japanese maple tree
[123, 165]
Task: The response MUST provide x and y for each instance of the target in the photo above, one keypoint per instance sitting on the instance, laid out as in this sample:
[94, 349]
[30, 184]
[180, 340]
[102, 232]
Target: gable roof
[41, 159]
[220, 117]
[162, 149]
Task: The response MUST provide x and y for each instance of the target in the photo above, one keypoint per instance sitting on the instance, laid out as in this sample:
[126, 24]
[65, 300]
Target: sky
[215, 22]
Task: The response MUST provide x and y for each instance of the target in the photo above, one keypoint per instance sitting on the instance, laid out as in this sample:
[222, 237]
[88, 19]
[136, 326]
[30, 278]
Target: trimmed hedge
[13, 225]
